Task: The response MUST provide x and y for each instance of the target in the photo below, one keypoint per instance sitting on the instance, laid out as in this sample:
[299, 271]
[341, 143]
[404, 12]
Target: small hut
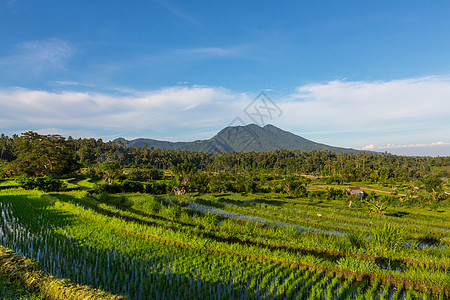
[355, 191]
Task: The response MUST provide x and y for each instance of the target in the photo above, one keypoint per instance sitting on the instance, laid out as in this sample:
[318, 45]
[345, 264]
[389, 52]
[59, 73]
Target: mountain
[242, 139]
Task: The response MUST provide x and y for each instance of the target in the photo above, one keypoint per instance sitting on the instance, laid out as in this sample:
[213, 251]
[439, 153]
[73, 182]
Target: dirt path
[380, 191]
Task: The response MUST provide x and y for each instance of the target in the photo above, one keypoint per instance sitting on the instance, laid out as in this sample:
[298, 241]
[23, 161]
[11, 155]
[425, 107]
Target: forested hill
[241, 139]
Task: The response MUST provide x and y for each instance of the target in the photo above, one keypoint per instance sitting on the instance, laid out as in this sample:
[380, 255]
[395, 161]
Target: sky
[371, 75]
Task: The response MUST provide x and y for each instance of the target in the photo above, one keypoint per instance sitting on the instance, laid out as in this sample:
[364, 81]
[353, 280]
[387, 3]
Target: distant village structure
[354, 191]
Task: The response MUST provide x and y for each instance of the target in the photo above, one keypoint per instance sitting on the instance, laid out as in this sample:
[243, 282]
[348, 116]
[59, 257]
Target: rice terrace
[84, 219]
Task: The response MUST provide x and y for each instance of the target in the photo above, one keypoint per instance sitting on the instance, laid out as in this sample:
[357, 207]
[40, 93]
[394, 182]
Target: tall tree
[40, 155]
[183, 173]
[110, 170]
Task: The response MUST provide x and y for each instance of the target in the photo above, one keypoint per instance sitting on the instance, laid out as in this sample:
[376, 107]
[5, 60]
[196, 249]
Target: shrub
[130, 186]
[156, 188]
[332, 193]
[146, 174]
[112, 188]
[46, 184]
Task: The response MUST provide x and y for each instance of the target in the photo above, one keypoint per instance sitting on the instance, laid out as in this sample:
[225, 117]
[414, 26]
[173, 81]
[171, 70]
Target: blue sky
[362, 74]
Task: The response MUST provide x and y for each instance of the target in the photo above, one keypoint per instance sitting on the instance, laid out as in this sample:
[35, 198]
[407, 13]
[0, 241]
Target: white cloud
[406, 110]
[38, 56]
[368, 147]
[365, 115]
[170, 111]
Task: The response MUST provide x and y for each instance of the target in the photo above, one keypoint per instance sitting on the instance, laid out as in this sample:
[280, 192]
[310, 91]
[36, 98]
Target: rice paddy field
[223, 246]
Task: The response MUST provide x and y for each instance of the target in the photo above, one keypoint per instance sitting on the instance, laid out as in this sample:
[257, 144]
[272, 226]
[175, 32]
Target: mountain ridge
[246, 138]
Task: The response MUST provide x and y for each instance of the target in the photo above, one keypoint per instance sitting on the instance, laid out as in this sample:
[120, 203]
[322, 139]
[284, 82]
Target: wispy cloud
[210, 51]
[177, 11]
[39, 56]
[431, 149]
[393, 146]
[11, 3]
[241, 50]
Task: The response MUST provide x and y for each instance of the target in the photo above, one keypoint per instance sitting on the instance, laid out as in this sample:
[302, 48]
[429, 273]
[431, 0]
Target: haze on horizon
[373, 76]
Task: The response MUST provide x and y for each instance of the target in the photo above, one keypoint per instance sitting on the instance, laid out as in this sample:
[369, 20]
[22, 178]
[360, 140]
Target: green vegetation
[142, 223]
[257, 245]
[20, 279]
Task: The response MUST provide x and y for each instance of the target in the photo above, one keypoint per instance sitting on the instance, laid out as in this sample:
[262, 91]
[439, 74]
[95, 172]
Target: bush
[156, 188]
[112, 188]
[46, 184]
[146, 174]
[334, 194]
[130, 186]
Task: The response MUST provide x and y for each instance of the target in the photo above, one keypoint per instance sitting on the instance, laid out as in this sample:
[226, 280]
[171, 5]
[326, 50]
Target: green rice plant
[211, 220]
[387, 236]
[430, 239]
[154, 206]
[355, 264]
[371, 292]
[137, 252]
[35, 284]
[343, 290]
[410, 294]
[356, 240]
[287, 285]
[171, 211]
[427, 294]
[386, 292]
[305, 289]
[398, 292]
[360, 290]
[331, 287]
[297, 284]
[318, 291]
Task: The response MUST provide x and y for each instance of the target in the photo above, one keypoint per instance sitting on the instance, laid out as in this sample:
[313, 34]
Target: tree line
[32, 154]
